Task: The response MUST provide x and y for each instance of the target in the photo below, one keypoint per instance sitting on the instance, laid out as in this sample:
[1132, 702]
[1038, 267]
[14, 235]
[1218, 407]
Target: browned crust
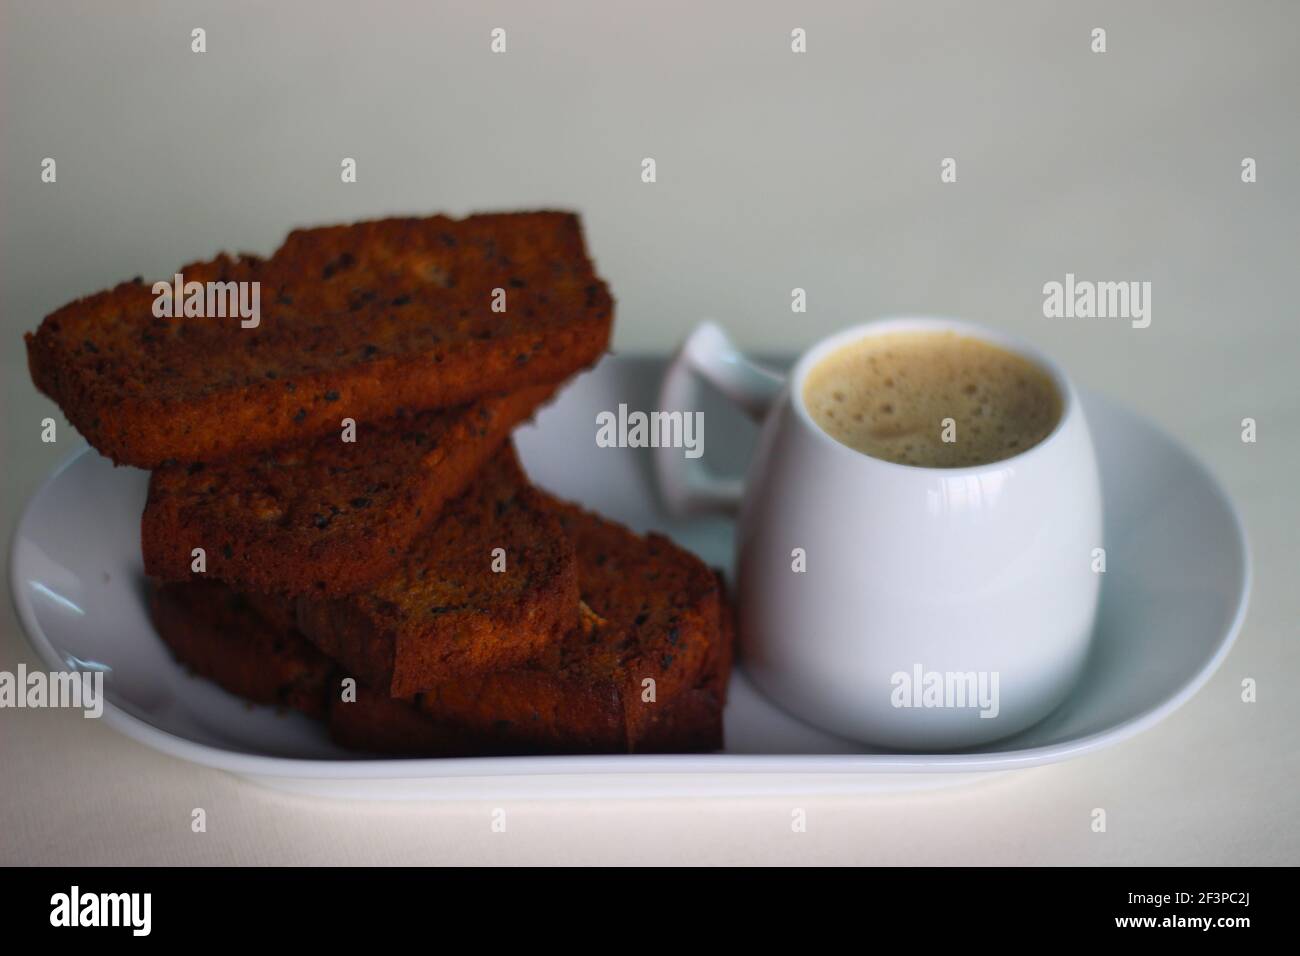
[356, 321]
[690, 723]
[376, 723]
[445, 613]
[663, 607]
[218, 634]
[659, 616]
[323, 517]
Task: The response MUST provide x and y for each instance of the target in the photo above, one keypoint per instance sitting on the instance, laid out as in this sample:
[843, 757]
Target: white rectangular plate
[1163, 628]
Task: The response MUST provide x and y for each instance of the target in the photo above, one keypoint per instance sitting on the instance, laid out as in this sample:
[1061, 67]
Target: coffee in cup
[932, 399]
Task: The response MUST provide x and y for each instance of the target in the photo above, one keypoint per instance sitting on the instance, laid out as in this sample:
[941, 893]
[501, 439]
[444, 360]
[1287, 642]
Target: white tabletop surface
[775, 170]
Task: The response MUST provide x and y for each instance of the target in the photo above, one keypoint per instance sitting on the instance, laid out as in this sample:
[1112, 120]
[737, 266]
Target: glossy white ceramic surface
[857, 575]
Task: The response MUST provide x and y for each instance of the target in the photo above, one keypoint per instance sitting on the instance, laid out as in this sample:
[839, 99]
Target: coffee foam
[887, 396]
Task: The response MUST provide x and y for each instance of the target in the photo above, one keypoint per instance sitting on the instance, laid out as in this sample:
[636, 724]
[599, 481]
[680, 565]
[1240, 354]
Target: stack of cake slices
[337, 521]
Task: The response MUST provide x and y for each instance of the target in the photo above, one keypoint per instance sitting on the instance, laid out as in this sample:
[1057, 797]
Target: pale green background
[775, 171]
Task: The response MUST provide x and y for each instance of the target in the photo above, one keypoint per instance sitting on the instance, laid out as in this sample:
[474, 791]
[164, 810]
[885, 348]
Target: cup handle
[687, 485]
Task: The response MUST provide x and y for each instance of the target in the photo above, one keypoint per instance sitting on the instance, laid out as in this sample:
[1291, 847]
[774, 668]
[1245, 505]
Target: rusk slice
[355, 322]
[490, 584]
[326, 517]
[646, 672]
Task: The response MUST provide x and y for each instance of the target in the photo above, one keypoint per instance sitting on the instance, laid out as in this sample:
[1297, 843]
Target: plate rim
[838, 764]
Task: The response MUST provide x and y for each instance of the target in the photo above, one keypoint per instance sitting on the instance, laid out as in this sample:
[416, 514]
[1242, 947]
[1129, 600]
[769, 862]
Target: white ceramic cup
[939, 608]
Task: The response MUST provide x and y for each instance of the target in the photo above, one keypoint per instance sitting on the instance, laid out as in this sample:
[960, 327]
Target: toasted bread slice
[660, 624]
[323, 517]
[355, 322]
[221, 635]
[490, 584]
